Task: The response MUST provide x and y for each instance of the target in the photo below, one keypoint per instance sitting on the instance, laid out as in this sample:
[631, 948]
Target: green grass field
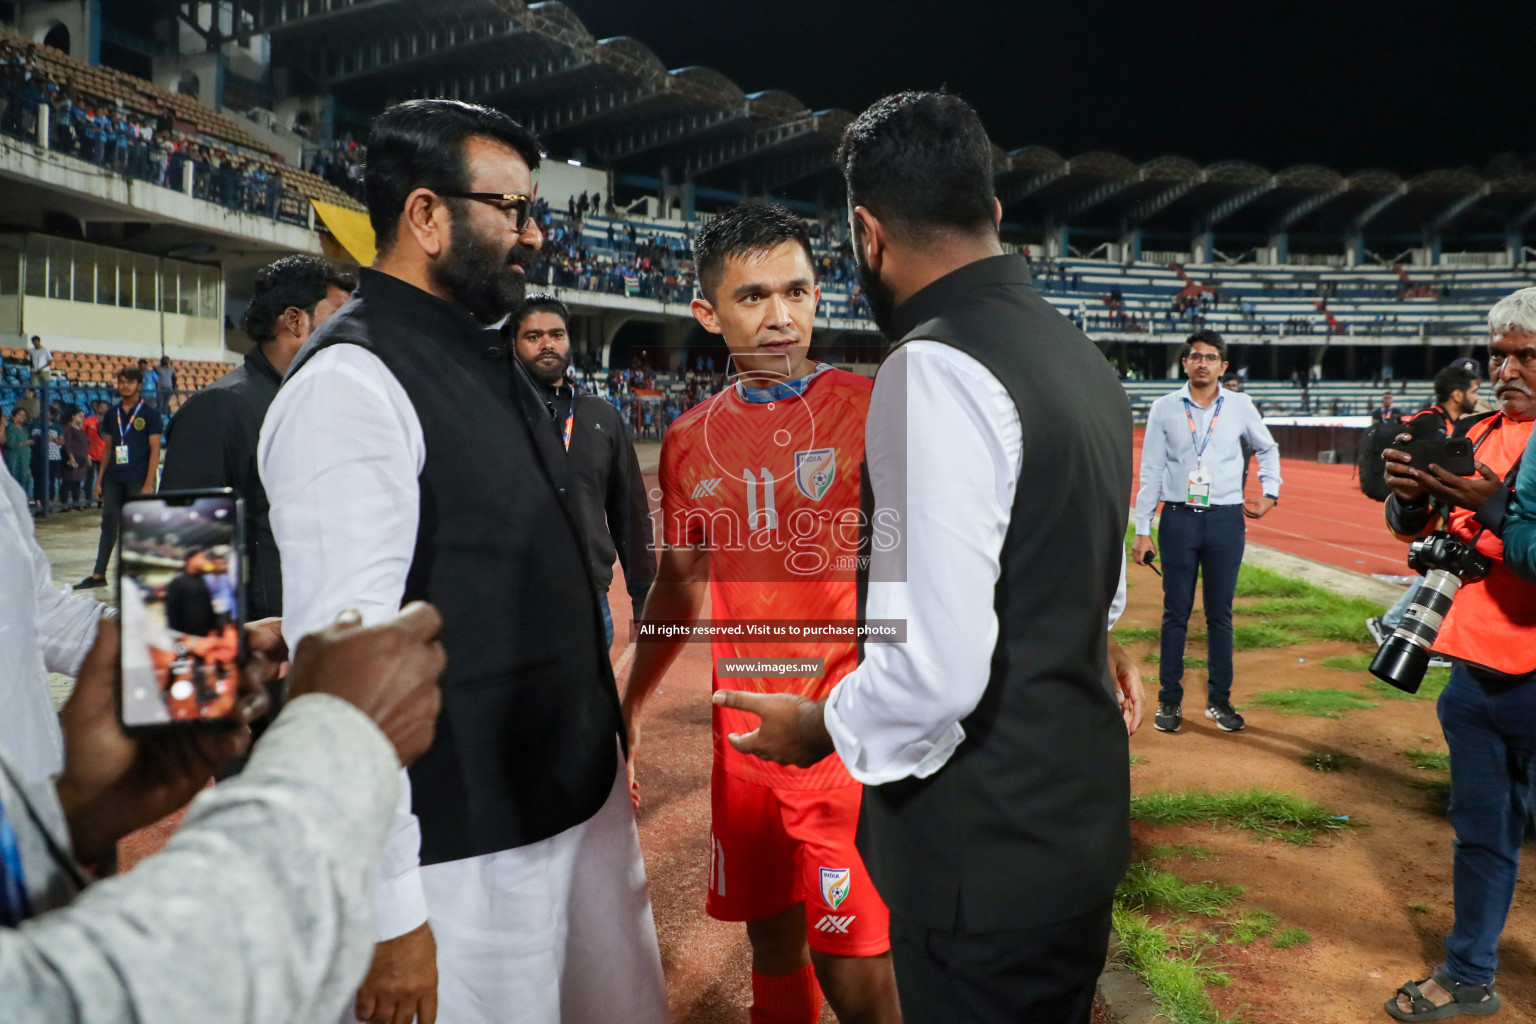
[1323, 703]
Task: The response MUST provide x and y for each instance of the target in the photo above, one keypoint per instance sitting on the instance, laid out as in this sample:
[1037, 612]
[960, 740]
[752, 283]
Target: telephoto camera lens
[1446, 563]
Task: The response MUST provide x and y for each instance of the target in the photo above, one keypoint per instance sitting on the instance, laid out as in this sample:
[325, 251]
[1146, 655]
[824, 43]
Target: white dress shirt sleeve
[340, 454]
[898, 714]
[1154, 463]
[1266, 448]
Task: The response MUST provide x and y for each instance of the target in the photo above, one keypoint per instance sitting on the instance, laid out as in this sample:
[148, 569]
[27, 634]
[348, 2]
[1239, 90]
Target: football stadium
[345, 257]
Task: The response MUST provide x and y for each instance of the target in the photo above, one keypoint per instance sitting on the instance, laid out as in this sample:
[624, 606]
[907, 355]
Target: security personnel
[211, 441]
[1488, 709]
[606, 483]
[1192, 461]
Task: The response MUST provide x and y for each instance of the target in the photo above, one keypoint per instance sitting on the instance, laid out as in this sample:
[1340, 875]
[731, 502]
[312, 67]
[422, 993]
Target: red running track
[1322, 515]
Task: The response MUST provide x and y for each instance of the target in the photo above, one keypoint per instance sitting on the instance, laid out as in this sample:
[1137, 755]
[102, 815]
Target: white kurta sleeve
[340, 455]
[944, 448]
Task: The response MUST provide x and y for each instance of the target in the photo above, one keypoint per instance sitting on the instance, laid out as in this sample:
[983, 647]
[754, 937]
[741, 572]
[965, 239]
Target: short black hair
[130, 373]
[744, 230]
[1450, 380]
[293, 281]
[1210, 338]
[921, 162]
[420, 144]
[540, 302]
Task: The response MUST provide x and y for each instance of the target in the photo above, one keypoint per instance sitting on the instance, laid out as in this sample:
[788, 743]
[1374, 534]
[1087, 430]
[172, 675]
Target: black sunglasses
[506, 202]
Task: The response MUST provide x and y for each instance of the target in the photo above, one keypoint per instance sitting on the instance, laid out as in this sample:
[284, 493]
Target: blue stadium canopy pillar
[1202, 247]
[1281, 245]
[1432, 245]
[1315, 360]
[1174, 350]
[1354, 249]
[687, 191]
[1057, 237]
[1131, 240]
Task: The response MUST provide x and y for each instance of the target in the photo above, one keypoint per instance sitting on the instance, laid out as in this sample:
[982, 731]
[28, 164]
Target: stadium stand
[1136, 253]
[115, 106]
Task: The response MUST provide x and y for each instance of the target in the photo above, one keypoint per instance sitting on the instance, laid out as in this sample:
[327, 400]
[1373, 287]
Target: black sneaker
[1169, 718]
[1225, 718]
[1377, 629]
[90, 582]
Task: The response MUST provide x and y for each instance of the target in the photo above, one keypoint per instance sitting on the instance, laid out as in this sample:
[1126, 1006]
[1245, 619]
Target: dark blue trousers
[1207, 543]
[1491, 732]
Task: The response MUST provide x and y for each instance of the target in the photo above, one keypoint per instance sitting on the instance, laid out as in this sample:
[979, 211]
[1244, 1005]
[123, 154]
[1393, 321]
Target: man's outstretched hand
[792, 730]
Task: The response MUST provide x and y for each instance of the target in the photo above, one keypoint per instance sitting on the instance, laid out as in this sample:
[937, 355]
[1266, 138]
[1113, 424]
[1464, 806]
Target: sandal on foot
[1473, 1000]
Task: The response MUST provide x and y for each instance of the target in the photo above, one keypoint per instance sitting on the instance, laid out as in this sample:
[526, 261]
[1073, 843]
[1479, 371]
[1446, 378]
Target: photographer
[1452, 414]
[1488, 710]
[260, 909]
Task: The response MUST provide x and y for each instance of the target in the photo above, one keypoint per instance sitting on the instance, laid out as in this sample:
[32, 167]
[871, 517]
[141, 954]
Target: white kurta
[340, 455]
[943, 431]
[42, 629]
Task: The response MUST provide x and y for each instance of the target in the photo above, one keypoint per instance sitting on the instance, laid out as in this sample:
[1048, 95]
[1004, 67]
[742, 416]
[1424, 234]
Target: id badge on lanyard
[1198, 494]
[120, 450]
[1199, 488]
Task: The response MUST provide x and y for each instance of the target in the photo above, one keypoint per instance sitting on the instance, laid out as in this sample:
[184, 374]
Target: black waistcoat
[526, 741]
[1028, 822]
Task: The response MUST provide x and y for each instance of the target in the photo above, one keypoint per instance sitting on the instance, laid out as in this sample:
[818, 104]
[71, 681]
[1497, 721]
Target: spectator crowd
[129, 143]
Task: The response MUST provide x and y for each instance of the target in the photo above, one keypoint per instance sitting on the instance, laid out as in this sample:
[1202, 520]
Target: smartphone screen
[182, 607]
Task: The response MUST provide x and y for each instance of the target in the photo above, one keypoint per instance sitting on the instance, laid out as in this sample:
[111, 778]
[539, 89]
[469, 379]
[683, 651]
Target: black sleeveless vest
[526, 742]
[1028, 821]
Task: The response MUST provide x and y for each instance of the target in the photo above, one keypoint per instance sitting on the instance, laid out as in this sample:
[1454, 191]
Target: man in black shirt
[211, 441]
[128, 463]
[605, 473]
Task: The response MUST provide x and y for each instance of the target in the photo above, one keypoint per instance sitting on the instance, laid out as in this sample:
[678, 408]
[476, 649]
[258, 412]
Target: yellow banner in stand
[351, 229]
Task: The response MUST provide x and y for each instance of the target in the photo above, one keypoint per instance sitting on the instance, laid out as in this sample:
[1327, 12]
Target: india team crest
[815, 470]
[835, 884]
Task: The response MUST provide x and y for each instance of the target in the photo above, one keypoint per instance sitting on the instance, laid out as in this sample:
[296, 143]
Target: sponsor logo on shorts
[706, 488]
[835, 884]
[835, 925]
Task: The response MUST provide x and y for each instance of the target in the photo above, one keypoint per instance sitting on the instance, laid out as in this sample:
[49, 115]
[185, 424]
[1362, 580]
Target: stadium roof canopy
[613, 103]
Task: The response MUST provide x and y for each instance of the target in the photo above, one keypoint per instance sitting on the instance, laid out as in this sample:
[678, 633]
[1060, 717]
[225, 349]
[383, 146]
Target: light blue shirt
[1168, 455]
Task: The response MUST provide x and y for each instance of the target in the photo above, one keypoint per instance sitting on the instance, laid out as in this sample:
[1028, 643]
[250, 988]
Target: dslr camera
[1446, 563]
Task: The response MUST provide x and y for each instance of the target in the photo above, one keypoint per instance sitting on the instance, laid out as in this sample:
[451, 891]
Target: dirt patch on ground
[1376, 900]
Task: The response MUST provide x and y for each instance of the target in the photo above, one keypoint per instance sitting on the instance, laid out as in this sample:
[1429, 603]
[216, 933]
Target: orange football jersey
[771, 489]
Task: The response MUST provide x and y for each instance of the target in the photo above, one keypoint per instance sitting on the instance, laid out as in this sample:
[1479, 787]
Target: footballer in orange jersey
[760, 502]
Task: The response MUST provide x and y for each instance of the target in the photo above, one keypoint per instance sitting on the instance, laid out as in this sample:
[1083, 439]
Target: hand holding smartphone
[1452, 454]
[181, 596]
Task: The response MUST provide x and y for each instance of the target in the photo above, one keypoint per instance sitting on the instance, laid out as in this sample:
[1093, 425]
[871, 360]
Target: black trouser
[113, 494]
[1044, 975]
[1207, 542]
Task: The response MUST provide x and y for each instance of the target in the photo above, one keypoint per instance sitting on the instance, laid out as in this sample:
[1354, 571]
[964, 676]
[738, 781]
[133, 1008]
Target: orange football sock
[786, 998]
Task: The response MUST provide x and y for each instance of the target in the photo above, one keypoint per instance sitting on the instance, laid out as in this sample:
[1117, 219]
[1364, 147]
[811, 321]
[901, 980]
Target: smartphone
[181, 599]
[1452, 454]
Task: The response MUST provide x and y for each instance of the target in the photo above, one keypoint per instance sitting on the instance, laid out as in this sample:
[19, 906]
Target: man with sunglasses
[1192, 461]
[408, 456]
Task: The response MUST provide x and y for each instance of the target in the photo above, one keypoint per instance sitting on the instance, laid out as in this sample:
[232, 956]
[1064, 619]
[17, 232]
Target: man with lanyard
[1488, 709]
[1385, 413]
[1455, 399]
[1191, 459]
[605, 473]
[129, 459]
